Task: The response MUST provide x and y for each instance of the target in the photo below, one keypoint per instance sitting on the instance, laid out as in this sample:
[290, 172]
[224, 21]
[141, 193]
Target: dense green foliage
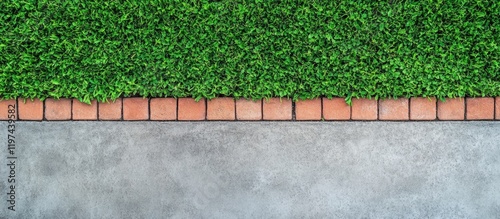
[90, 49]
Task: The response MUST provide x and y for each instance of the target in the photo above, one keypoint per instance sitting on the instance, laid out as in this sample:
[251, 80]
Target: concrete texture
[254, 170]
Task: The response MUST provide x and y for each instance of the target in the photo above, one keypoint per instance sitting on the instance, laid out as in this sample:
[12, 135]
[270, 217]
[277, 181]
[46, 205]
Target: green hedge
[89, 49]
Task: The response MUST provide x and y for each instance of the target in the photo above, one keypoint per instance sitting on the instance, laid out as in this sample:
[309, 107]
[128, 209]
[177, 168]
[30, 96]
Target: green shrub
[253, 49]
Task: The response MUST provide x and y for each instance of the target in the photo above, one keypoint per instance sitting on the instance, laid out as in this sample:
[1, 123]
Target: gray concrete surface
[254, 170]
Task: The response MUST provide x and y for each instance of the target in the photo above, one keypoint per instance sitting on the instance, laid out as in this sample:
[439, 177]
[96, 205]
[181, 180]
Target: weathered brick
[451, 109]
[482, 108]
[111, 110]
[58, 109]
[135, 108]
[497, 108]
[248, 109]
[364, 109]
[394, 109]
[336, 109]
[163, 108]
[422, 108]
[5, 107]
[308, 109]
[277, 109]
[189, 109]
[84, 111]
[222, 108]
[31, 109]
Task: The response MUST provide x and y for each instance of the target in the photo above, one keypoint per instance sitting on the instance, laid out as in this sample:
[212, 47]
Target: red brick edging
[229, 109]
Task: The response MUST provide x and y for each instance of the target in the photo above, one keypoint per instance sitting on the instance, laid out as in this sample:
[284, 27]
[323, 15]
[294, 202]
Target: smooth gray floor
[255, 170]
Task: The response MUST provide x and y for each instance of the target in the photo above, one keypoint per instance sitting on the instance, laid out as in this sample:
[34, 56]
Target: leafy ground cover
[252, 49]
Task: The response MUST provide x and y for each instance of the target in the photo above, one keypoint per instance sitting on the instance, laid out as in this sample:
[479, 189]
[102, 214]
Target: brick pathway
[274, 109]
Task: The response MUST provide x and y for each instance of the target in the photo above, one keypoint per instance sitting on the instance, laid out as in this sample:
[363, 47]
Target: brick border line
[273, 109]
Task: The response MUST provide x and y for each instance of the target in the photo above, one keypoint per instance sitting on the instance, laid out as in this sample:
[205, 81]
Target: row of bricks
[187, 109]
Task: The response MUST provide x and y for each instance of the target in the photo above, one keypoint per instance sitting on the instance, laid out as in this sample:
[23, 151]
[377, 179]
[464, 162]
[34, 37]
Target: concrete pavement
[253, 170]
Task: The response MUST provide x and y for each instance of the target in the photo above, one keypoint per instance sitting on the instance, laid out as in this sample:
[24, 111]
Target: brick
[110, 110]
[422, 108]
[221, 109]
[497, 108]
[336, 109]
[451, 109]
[394, 109]
[4, 109]
[308, 109]
[163, 108]
[277, 109]
[364, 109]
[189, 109]
[248, 109]
[135, 109]
[58, 109]
[31, 109]
[83, 111]
[480, 108]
